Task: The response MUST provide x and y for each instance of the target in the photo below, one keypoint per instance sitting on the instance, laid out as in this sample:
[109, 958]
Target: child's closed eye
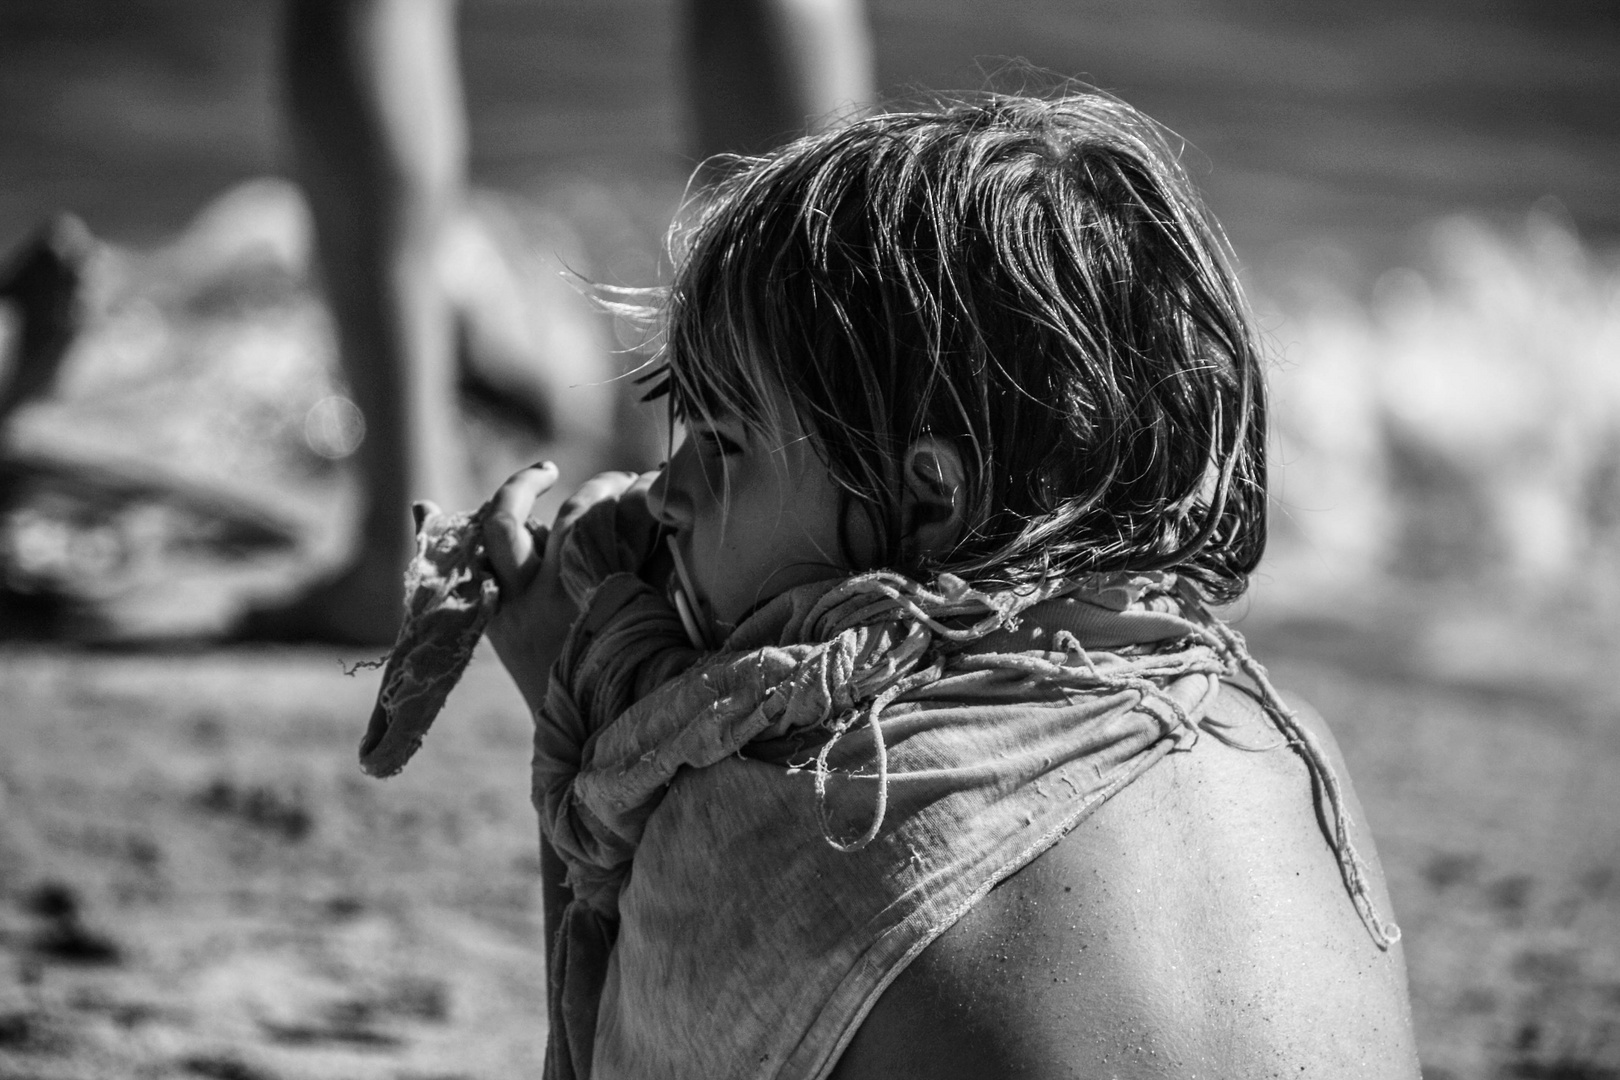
[713, 443]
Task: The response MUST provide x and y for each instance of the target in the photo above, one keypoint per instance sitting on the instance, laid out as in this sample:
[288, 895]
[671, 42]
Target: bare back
[1195, 925]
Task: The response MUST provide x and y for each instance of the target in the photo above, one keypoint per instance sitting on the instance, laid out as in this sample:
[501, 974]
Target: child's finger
[507, 537]
[608, 485]
[604, 488]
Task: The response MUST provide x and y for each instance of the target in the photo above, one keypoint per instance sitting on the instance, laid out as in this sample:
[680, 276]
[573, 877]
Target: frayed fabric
[759, 839]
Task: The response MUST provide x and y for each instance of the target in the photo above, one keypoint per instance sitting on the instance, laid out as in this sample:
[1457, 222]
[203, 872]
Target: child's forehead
[769, 413]
[716, 376]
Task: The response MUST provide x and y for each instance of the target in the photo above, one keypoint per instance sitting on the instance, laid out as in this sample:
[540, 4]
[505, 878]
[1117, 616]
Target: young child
[886, 731]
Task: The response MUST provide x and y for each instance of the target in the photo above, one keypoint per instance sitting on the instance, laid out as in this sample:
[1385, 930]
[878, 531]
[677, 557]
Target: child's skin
[1195, 925]
[751, 519]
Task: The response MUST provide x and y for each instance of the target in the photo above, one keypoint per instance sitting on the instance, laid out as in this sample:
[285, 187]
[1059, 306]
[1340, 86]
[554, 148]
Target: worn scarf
[759, 839]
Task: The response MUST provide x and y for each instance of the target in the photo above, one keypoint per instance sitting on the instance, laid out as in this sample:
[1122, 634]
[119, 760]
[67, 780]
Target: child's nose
[665, 500]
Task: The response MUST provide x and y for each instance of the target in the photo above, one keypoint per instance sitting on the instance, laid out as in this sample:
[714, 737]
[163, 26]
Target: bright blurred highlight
[1459, 423]
[334, 427]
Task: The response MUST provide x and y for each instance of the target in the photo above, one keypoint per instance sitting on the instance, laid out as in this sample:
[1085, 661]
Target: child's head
[1033, 283]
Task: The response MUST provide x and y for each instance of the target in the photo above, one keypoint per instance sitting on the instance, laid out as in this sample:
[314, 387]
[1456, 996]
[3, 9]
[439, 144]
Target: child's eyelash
[717, 443]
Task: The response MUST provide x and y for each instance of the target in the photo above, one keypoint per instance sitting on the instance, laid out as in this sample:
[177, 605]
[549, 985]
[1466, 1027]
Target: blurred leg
[760, 71]
[378, 132]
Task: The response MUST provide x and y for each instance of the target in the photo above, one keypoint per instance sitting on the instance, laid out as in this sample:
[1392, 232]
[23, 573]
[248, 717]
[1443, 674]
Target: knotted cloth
[758, 840]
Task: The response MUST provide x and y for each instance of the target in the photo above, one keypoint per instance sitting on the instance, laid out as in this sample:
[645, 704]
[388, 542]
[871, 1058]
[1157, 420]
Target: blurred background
[194, 878]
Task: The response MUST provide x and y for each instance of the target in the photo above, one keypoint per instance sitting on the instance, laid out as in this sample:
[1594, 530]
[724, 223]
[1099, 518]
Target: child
[920, 754]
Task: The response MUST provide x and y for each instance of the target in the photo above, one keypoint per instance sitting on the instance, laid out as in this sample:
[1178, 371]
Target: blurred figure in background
[379, 137]
[379, 144]
[758, 71]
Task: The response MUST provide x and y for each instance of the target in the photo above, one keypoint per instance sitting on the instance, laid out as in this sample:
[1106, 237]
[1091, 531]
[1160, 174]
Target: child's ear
[933, 501]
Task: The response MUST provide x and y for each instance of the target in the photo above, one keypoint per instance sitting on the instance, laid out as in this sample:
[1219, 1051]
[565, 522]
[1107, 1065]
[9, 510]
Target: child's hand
[535, 610]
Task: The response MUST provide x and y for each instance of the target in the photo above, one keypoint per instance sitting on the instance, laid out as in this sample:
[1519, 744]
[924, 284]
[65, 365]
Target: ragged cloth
[758, 840]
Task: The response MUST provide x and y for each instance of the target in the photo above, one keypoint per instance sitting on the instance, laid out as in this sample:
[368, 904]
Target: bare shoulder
[1195, 925]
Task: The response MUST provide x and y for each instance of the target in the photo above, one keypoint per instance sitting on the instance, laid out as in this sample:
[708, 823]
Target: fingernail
[544, 465]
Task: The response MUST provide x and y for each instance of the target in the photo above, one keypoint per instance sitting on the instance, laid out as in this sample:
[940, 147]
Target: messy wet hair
[1034, 281]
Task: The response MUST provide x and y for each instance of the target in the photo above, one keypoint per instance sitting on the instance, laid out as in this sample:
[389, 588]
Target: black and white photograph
[809, 539]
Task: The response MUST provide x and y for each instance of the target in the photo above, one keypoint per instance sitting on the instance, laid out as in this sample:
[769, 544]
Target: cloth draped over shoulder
[759, 839]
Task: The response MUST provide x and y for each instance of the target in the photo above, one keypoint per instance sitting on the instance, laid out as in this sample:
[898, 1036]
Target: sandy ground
[196, 880]
[1483, 744]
